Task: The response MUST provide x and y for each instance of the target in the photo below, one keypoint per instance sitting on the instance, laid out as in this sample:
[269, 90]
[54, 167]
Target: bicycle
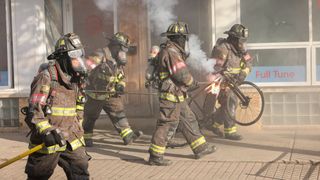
[248, 97]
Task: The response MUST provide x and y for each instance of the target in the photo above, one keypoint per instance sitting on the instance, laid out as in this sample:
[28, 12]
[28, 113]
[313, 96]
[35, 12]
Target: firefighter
[175, 80]
[153, 81]
[230, 53]
[52, 115]
[107, 76]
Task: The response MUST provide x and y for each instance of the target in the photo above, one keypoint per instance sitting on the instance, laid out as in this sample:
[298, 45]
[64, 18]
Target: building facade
[285, 46]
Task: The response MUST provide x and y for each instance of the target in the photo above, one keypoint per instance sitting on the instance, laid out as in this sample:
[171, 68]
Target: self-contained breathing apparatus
[152, 78]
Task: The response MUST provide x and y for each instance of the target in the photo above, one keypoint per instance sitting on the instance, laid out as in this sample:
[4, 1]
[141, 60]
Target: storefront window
[278, 65]
[54, 22]
[276, 21]
[316, 19]
[318, 63]
[4, 45]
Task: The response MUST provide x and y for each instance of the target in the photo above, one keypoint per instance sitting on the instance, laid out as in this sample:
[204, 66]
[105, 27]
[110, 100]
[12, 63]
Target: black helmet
[65, 44]
[69, 53]
[120, 38]
[177, 28]
[238, 31]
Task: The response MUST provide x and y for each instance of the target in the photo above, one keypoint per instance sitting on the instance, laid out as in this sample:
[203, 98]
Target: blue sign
[4, 78]
[278, 74]
[318, 73]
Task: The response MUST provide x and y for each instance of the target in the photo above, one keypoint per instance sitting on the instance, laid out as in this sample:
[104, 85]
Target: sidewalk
[269, 153]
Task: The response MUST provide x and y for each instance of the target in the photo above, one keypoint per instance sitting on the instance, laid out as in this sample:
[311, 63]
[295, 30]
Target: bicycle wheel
[245, 103]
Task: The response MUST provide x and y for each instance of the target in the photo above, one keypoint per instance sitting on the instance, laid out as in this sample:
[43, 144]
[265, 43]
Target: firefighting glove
[119, 88]
[193, 86]
[54, 137]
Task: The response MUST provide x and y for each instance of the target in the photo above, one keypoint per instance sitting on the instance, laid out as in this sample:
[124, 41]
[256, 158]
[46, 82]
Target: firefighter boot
[132, 137]
[174, 143]
[233, 136]
[158, 161]
[208, 149]
[217, 131]
[88, 142]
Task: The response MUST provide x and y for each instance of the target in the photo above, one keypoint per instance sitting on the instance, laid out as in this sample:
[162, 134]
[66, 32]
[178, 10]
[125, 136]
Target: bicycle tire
[255, 106]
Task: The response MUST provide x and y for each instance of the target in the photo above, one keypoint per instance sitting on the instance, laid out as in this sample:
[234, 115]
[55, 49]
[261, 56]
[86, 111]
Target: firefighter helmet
[120, 38]
[238, 31]
[177, 28]
[67, 43]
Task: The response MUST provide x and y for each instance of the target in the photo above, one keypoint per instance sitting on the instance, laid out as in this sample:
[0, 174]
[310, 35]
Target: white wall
[29, 48]
[225, 14]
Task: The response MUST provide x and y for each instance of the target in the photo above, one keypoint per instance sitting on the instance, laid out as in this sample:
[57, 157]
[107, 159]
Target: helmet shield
[69, 53]
[119, 46]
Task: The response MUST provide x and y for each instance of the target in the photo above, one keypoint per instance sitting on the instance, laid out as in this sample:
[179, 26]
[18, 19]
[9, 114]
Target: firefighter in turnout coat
[230, 53]
[175, 81]
[52, 114]
[106, 84]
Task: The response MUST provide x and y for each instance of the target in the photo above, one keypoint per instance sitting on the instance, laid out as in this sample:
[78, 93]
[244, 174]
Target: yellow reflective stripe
[88, 135]
[246, 70]
[216, 125]
[125, 132]
[50, 149]
[198, 142]
[80, 99]
[171, 97]
[43, 125]
[107, 78]
[99, 96]
[80, 107]
[45, 89]
[57, 111]
[120, 76]
[190, 82]
[234, 70]
[75, 144]
[157, 149]
[163, 75]
[230, 130]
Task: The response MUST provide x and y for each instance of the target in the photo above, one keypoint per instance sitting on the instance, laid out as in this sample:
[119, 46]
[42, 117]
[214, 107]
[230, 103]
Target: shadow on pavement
[262, 147]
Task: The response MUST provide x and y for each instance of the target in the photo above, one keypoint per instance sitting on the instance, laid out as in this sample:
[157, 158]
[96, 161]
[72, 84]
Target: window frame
[262, 46]
[308, 45]
[9, 45]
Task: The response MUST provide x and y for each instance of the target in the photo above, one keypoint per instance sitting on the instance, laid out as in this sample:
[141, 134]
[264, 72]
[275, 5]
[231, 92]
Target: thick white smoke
[198, 60]
[106, 5]
[161, 14]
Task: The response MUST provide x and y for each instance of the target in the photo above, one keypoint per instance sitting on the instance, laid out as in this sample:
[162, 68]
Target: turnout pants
[74, 163]
[220, 117]
[171, 115]
[115, 110]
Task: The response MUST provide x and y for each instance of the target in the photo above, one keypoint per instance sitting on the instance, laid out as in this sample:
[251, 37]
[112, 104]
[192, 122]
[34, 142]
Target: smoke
[161, 14]
[106, 5]
[198, 60]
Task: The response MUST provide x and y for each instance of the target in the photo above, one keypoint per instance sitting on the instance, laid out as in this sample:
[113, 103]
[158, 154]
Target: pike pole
[20, 156]
[126, 92]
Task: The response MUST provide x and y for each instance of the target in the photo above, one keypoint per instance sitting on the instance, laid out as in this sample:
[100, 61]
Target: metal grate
[291, 108]
[9, 112]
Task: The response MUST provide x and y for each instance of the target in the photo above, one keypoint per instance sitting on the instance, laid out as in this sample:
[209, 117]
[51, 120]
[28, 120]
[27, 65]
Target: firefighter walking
[230, 53]
[107, 76]
[52, 114]
[175, 80]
